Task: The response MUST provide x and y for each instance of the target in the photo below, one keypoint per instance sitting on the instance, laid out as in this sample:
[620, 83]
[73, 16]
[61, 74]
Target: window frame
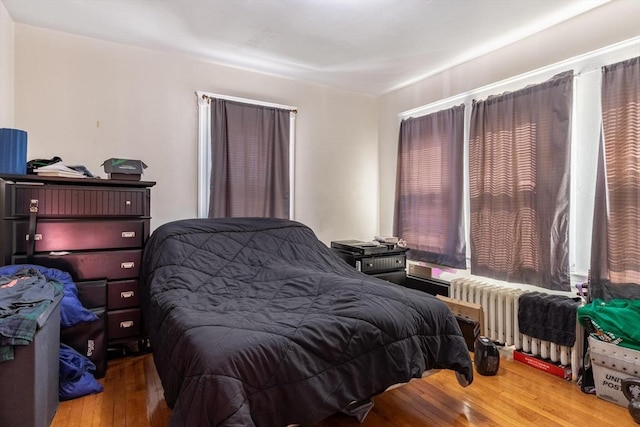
[585, 131]
[204, 147]
[423, 165]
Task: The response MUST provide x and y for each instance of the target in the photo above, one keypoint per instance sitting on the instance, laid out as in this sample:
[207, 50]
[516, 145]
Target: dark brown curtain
[249, 160]
[429, 187]
[519, 171]
[615, 250]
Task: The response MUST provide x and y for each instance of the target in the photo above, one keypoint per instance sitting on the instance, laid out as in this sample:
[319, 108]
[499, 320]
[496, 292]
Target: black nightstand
[387, 262]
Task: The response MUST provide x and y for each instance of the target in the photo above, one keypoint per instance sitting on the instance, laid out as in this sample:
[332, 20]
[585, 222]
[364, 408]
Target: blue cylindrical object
[13, 151]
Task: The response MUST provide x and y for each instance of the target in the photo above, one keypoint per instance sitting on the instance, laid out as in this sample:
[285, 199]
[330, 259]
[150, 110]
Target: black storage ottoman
[29, 382]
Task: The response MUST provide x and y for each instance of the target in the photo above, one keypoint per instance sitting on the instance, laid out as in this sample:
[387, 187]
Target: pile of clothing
[24, 296]
[548, 317]
[25, 293]
[615, 321]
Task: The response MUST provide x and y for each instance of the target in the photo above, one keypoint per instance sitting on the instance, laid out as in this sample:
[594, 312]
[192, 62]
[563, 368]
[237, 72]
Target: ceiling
[364, 46]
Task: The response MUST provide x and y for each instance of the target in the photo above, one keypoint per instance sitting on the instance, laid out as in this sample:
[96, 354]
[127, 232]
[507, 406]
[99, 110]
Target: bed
[257, 322]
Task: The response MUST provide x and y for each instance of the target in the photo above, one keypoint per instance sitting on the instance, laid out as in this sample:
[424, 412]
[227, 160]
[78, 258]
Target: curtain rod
[209, 96]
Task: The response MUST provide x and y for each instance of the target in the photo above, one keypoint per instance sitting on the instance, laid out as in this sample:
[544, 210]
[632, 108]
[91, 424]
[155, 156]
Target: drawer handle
[59, 253]
[128, 234]
[126, 324]
[127, 294]
[127, 265]
[36, 237]
[127, 202]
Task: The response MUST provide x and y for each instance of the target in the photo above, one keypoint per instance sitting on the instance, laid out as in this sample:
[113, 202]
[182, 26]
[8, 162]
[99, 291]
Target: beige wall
[6, 68]
[614, 22]
[87, 100]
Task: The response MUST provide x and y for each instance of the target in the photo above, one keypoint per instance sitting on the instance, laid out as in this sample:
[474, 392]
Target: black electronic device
[371, 258]
[486, 356]
[385, 261]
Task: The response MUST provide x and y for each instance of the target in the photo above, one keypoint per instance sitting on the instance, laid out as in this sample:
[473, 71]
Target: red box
[563, 372]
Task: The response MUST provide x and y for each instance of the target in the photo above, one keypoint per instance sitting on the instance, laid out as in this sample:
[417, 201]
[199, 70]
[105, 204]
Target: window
[429, 195]
[585, 136]
[616, 239]
[246, 157]
[519, 146]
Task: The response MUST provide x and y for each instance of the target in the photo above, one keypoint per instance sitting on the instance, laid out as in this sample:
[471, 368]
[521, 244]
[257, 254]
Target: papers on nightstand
[386, 239]
[58, 169]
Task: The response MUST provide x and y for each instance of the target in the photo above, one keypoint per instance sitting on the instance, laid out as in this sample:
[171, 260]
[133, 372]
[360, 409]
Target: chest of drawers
[95, 229]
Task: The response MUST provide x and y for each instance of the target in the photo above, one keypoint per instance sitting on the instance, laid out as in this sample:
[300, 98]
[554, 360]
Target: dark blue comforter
[257, 322]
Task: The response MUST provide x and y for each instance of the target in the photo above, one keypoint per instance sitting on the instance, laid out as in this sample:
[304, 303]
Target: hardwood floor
[517, 396]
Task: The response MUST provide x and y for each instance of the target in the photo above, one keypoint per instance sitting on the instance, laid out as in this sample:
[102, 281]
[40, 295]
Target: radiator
[500, 323]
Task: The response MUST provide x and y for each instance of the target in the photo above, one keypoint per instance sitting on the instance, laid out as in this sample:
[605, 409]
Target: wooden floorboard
[517, 396]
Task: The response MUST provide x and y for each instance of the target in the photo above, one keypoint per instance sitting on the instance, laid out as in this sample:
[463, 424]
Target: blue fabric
[76, 378]
[72, 311]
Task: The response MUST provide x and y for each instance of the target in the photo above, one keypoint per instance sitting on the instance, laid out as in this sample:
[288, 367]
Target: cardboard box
[469, 317]
[126, 169]
[464, 309]
[611, 364]
[547, 366]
